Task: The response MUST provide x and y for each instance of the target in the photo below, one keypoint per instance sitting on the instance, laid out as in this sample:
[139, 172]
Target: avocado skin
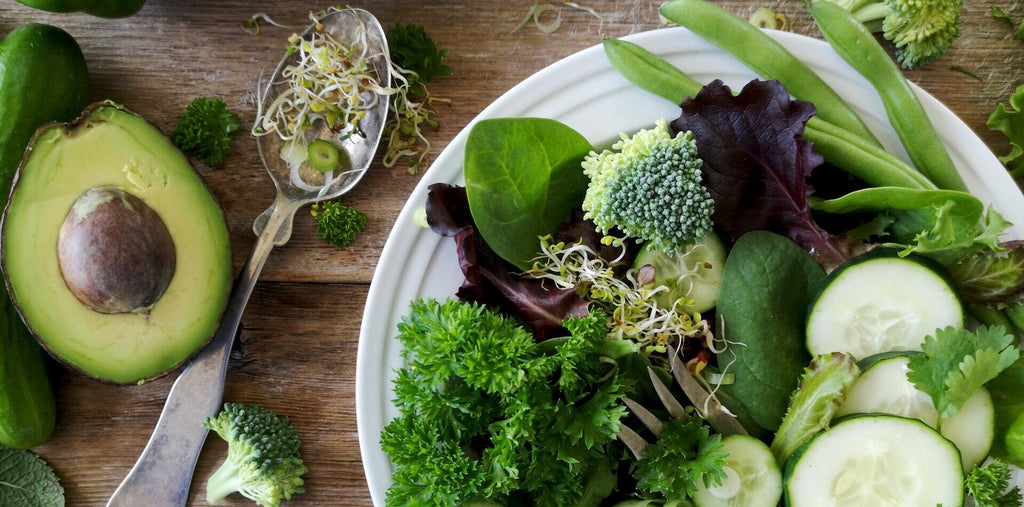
[160, 339]
[100, 8]
[43, 78]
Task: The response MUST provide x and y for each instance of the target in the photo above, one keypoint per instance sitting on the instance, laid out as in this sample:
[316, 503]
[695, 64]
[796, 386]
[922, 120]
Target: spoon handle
[163, 473]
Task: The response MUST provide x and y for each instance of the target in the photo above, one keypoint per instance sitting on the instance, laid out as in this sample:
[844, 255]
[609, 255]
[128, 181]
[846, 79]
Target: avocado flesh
[110, 146]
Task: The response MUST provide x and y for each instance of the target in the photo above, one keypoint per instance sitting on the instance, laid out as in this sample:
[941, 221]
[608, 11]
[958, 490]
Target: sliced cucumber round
[753, 479]
[876, 460]
[692, 278]
[880, 302]
[883, 388]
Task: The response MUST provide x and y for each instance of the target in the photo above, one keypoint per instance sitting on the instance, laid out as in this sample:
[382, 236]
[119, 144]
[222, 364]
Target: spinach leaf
[767, 285]
[523, 179]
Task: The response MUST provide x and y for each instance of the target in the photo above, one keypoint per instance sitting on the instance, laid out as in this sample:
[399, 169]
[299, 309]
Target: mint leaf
[956, 362]
[27, 481]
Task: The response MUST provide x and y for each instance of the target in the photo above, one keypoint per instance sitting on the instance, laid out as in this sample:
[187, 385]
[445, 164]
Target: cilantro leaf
[989, 484]
[956, 362]
[27, 480]
[684, 455]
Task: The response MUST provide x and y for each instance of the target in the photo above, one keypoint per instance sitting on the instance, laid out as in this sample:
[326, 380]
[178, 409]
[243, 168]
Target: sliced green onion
[323, 155]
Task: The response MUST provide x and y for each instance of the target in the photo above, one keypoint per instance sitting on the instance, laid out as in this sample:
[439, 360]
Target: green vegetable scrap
[338, 224]
[27, 480]
[921, 31]
[488, 414]
[205, 128]
[815, 402]
[956, 362]
[1009, 120]
[416, 61]
[649, 187]
[1000, 14]
[989, 485]
[764, 17]
[263, 462]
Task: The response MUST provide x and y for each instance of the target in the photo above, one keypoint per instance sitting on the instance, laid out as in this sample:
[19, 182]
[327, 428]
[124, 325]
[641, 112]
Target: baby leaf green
[767, 285]
[523, 179]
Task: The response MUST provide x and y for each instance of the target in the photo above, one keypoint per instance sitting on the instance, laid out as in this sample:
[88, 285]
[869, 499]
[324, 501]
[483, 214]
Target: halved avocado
[114, 251]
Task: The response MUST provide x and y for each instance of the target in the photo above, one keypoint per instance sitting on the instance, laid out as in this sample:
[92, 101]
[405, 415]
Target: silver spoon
[163, 473]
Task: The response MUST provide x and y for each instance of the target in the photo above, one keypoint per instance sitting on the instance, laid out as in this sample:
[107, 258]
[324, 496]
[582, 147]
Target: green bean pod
[858, 46]
[843, 149]
[766, 57]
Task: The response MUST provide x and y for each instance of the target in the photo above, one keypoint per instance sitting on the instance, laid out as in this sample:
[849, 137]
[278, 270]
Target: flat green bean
[841, 148]
[858, 46]
[766, 57]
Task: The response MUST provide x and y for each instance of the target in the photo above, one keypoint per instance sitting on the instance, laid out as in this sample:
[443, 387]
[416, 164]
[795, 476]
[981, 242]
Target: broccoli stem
[223, 482]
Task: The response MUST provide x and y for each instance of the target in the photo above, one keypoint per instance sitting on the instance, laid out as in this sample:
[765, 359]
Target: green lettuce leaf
[1010, 122]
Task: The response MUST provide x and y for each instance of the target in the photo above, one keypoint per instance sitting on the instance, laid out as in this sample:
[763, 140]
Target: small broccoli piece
[263, 462]
[650, 189]
[204, 129]
[338, 224]
[921, 30]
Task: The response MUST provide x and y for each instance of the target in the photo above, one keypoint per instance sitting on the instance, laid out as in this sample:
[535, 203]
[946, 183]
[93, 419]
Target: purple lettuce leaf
[493, 281]
[756, 163]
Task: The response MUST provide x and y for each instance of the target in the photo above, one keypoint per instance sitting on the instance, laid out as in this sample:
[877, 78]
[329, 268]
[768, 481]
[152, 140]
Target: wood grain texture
[300, 331]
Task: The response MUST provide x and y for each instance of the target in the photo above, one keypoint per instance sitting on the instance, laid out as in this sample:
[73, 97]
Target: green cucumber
[43, 78]
[753, 479]
[693, 277]
[876, 460]
[884, 388]
[880, 302]
[101, 8]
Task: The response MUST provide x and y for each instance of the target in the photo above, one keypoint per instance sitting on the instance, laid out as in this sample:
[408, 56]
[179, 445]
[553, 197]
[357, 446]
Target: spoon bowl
[163, 472]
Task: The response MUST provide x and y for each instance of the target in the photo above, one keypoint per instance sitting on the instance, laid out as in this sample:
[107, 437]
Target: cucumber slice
[694, 277]
[884, 388]
[876, 460]
[752, 477]
[879, 302]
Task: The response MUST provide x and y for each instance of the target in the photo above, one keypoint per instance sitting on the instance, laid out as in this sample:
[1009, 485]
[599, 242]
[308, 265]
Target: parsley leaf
[412, 49]
[685, 455]
[488, 414]
[27, 480]
[956, 362]
[988, 486]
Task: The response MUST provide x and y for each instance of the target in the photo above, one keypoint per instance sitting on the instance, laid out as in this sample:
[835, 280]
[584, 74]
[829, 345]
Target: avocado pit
[115, 253]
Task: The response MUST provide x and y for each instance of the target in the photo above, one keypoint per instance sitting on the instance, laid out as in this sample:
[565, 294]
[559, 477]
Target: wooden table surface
[299, 335]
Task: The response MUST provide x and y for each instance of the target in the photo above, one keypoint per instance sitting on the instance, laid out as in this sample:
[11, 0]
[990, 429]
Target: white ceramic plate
[586, 93]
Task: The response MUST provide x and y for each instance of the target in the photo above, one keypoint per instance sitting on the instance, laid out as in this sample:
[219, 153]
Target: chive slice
[323, 155]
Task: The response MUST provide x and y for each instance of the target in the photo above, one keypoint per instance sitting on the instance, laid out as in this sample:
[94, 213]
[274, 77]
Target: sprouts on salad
[327, 85]
[636, 314]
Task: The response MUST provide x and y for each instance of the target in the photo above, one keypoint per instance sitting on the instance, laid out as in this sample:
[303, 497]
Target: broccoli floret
[650, 188]
[263, 462]
[922, 30]
[338, 224]
[204, 129]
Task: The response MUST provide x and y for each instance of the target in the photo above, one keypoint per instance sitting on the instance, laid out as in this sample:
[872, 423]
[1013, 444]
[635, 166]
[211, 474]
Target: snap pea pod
[858, 46]
[843, 149]
[766, 57]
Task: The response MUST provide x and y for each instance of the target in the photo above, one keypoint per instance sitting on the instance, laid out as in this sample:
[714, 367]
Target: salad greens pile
[563, 373]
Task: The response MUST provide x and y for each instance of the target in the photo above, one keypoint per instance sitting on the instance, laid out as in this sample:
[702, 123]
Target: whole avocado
[101, 8]
[43, 78]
